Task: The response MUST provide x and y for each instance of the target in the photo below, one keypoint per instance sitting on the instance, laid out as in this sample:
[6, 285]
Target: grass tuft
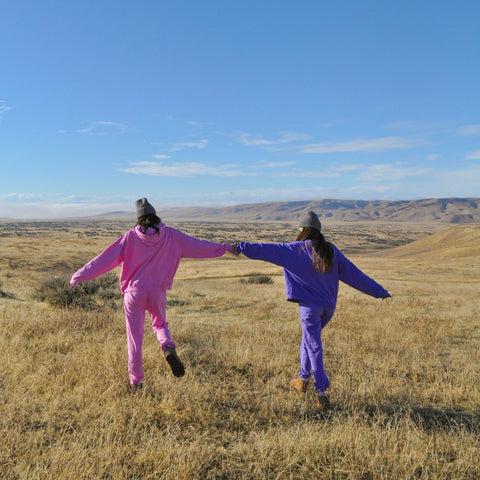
[257, 279]
[96, 294]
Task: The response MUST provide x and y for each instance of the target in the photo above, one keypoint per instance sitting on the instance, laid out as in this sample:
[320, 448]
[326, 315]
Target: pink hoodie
[150, 260]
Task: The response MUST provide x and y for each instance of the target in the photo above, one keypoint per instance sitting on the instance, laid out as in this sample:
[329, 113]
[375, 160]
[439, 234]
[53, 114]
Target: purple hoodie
[150, 260]
[305, 285]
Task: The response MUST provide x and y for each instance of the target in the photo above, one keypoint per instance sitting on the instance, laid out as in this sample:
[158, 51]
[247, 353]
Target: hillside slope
[456, 242]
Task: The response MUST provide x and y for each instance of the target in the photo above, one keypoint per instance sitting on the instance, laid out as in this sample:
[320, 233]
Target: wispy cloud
[407, 125]
[250, 140]
[288, 137]
[371, 145]
[318, 174]
[417, 127]
[468, 178]
[265, 164]
[103, 128]
[469, 130]
[474, 155]
[161, 157]
[290, 141]
[392, 173]
[187, 169]
[360, 172]
[20, 196]
[3, 108]
[60, 205]
[256, 140]
[201, 144]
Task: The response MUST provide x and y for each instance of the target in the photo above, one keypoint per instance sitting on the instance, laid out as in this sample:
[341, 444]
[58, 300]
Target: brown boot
[175, 363]
[299, 384]
[323, 401]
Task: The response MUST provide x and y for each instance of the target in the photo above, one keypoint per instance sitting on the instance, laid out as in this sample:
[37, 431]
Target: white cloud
[388, 182]
[59, 205]
[420, 128]
[20, 196]
[391, 173]
[458, 183]
[3, 108]
[103, 128]
[474, 155]
[288, 137]
[371, 145]
[374, 173]
[469, 130]
[46, 210]
[250, 140]
[198, 125]
[187, 169]
[306, 174]
[407, 125]
[253, 140]
[433, 156]
[265, 164]
[201, 144]
[161, 157]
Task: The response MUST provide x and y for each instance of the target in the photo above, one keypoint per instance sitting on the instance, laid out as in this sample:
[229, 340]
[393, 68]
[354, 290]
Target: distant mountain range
[442, 210]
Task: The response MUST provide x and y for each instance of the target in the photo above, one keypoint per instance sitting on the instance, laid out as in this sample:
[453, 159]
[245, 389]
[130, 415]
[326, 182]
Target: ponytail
[322, 251]
[149, 221]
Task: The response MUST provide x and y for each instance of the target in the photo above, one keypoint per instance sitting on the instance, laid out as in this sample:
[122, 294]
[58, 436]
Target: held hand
[234, 249]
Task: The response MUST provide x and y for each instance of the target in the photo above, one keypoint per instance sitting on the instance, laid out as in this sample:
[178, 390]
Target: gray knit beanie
[310, 219]
[144, 208]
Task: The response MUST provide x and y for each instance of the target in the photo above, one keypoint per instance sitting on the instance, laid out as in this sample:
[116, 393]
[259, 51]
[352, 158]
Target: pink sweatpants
[135, 305]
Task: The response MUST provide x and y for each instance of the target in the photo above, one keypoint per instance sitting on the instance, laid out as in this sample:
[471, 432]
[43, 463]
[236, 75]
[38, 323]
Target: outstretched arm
[195, 248]
[103, 263]
[276, 253]
[354, 277]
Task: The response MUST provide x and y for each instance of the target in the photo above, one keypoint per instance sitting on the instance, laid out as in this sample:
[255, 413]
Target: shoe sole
[175, 364]
[323, 402]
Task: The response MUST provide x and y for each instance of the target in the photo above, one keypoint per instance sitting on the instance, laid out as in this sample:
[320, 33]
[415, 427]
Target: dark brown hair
[322, 251]
[149, 221]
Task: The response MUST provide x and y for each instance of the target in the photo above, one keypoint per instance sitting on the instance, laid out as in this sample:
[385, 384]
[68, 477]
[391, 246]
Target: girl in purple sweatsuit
[313, 268]
[150, 254]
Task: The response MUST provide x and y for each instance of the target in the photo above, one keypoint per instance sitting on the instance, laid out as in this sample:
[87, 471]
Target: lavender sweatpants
[313, 320]
[135, 305]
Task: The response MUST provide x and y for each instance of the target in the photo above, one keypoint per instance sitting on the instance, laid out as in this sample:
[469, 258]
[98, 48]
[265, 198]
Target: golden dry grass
[404, 371]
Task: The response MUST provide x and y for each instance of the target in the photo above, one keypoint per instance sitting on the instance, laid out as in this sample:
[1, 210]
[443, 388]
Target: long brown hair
[149, 221]
[322, 251]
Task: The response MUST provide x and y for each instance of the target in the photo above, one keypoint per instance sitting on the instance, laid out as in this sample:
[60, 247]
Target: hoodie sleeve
[192, 247]
[354, 277]
[103, 263]
[275, 253]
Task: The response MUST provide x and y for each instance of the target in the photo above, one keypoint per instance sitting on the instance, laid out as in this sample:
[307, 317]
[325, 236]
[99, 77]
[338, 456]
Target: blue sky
[221, 103]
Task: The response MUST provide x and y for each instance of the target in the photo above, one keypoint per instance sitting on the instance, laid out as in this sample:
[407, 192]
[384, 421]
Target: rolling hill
[454, 243]
[442, 210]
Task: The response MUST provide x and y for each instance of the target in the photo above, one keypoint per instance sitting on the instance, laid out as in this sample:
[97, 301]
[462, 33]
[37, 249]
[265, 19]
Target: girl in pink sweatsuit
[150, 254]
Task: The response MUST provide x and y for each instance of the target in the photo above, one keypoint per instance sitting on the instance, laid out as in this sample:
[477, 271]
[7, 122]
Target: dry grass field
[404, 371]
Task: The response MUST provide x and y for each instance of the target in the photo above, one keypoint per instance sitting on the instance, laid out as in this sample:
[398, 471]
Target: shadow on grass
[427, 418]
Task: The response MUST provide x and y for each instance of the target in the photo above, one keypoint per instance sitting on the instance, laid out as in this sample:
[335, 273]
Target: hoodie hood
[150, 237]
